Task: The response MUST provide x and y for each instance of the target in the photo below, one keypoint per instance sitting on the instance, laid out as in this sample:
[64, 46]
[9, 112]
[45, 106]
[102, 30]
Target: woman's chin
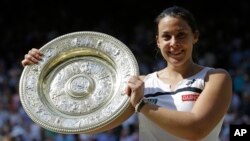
[176, 63]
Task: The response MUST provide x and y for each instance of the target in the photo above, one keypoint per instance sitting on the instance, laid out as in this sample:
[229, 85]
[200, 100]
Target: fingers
[35, 53]
[33, 57]
[135, 85]
[134, 82]
[128, 91]
[135, 89]
[26, 62]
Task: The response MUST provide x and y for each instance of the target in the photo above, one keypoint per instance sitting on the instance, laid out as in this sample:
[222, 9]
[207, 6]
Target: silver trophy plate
[78, 87]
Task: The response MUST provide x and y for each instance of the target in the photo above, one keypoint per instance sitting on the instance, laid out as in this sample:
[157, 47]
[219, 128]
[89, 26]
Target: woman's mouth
[176, 53]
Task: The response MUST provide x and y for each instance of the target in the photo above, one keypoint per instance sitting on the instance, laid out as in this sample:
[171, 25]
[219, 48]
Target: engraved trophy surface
[78, 85]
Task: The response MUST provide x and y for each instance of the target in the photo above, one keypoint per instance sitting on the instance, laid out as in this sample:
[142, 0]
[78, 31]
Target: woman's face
[175, 40]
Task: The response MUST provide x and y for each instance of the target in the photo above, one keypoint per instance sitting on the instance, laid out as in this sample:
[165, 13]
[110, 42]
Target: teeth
[176, 53]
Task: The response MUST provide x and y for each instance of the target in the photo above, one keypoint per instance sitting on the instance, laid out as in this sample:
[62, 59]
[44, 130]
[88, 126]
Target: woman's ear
[196, 37]
[157, 41]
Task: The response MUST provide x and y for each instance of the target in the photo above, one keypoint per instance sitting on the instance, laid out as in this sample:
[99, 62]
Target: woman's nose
[173, 42]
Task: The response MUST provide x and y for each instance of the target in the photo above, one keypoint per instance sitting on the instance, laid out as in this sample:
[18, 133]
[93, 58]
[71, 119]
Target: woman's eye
[181, 35]
[166, 37]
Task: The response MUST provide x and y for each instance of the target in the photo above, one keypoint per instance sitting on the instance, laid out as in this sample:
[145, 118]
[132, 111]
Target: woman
[184, 101]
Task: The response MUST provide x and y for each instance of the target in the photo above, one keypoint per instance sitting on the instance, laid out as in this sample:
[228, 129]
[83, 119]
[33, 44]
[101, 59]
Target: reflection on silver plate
[78, 86]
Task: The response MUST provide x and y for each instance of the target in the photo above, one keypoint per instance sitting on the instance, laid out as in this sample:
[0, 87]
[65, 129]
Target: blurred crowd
[224, 43]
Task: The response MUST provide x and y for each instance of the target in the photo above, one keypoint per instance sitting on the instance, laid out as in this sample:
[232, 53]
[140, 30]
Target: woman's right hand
[32, 57]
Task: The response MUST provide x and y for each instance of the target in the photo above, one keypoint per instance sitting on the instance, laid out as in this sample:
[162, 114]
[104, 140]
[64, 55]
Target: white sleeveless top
[180, 99]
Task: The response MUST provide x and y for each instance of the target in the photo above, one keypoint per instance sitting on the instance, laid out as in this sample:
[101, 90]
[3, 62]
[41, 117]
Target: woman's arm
[208, 110]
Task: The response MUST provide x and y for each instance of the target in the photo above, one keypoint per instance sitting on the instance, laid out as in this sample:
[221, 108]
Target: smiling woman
[188, 96]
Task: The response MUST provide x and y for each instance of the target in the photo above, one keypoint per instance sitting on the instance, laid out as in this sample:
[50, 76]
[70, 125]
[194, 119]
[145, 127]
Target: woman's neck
[183, 71]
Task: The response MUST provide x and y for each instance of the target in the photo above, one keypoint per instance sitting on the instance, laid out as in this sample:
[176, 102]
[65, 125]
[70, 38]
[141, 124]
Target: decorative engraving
[80, 85]
[99, 42]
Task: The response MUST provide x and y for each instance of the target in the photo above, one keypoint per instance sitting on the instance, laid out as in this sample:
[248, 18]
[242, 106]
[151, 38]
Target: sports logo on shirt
[189, 97]
[189, 83]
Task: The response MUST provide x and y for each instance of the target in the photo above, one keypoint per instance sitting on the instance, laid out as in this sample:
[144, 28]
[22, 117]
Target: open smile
[176, 53]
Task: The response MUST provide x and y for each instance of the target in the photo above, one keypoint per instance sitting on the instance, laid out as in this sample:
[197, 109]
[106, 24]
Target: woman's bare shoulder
[218, 73]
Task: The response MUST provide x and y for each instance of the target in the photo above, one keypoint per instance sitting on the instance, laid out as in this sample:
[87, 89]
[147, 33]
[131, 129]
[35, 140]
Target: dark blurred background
[224, 43]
